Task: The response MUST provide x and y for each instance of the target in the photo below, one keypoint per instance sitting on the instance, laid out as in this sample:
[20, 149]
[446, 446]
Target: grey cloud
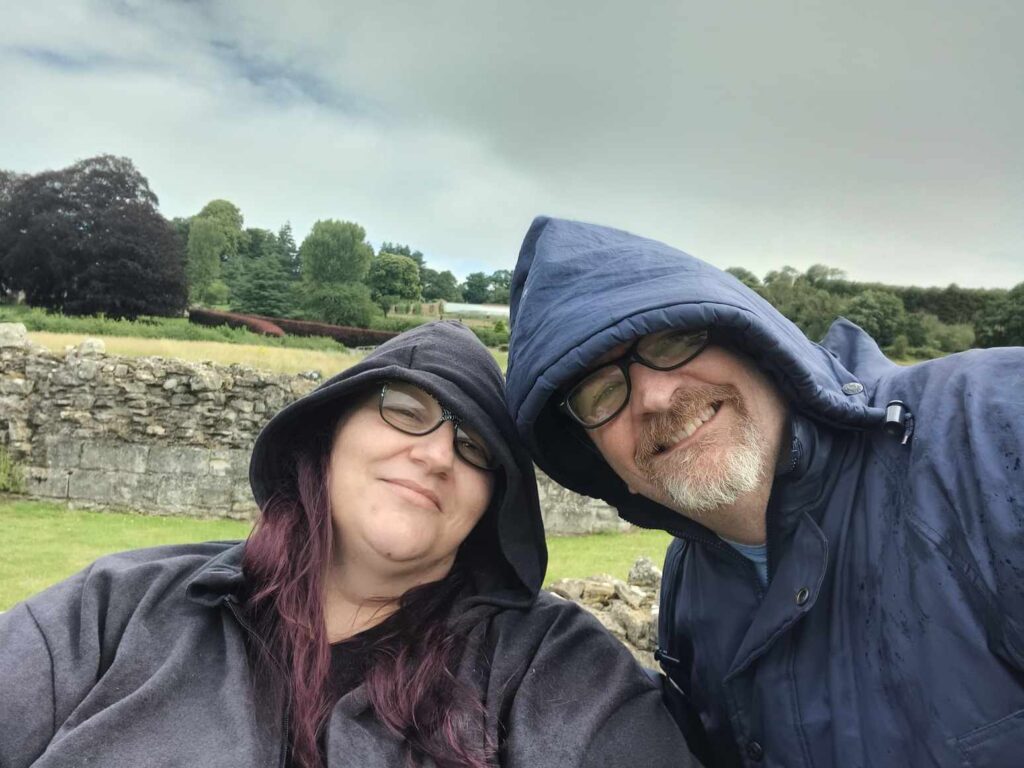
[879, 138]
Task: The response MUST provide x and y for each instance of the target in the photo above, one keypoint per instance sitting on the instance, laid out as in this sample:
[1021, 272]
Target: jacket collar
[218, 579]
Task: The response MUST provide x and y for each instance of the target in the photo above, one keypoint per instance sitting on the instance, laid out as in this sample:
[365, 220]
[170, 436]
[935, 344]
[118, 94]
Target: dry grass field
[277, 359]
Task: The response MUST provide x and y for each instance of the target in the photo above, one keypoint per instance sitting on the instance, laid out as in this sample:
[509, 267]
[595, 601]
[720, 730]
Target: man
[846, 585]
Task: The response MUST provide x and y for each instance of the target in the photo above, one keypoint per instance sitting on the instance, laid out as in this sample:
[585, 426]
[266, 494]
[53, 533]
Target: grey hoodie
[140, 659]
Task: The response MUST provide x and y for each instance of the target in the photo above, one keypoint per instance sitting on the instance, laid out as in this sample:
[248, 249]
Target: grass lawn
[45, 542]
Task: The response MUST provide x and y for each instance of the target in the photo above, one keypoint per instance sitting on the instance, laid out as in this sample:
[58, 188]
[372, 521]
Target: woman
[384, 611]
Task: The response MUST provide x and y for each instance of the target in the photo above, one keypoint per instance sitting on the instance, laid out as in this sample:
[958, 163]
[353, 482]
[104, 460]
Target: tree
[265, 289]
[80, 238]
[1001, 322]
[880, 313]
[340, 303]
[392, 277]
[746, 277]
[206, 242]
[440, 285]
[402, 250]
[137, 267]
[229, 218]
[335, 252]
[287, 252]
[476, 288]
[500, 286]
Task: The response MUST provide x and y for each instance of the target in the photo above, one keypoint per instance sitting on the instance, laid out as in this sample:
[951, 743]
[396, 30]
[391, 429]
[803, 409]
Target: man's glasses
[602, 394]
[410, 409]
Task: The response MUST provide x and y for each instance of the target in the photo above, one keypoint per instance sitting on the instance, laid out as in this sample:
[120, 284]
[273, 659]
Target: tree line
[89, 239]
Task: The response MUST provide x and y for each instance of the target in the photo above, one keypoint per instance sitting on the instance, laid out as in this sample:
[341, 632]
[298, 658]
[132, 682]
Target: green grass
[575, 557]
[46, 542]
[178, 328]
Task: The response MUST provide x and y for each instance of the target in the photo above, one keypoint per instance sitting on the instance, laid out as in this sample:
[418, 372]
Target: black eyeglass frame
[446, 415]
[623, 362]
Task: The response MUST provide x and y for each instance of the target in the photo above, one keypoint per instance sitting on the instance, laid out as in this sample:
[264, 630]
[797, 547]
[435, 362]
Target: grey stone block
[178, 460]
[122, 457]
[62, 452]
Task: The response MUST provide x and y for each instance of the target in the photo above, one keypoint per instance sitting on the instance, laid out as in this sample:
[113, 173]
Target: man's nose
[652, 390]
[435, 450]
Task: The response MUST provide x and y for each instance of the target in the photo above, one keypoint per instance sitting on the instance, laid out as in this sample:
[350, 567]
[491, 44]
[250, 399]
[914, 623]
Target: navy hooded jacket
[892, 629]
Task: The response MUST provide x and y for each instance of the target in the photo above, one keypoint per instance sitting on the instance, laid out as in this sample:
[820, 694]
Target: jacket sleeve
[26, 679]
[967, 475]
[581, 699]
[51, 654]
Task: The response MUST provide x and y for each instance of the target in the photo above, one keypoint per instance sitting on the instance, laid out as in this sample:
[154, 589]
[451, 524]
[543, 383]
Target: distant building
[450, 308]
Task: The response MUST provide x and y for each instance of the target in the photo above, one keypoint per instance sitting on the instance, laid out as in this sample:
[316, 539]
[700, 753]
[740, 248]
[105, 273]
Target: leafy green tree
[288, 252]
[335, 252]
[206, 242]
[746, 277]
[821, 276]
[812, 309]
[340, 303]
[476, 288]
[880, 313]
[229, 218]
[391, 278]
[440, 285]
[402, 250]
[1001, 322]
[265, 290]
[501, 284]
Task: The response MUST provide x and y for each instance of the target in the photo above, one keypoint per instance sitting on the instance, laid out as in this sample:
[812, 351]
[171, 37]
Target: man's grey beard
[716, 470]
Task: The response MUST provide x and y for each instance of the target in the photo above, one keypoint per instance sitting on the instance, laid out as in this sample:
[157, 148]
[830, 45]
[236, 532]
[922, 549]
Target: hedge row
[350, 337]
[263, 325]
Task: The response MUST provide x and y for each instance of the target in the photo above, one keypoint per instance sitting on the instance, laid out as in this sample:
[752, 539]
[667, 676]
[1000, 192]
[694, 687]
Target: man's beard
[716, 469]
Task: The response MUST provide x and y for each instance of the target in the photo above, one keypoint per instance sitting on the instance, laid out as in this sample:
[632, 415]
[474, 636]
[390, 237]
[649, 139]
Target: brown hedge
[263, 325]
[350, 337]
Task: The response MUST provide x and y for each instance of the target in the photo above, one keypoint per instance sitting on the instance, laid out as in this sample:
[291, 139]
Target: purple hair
[410, 681]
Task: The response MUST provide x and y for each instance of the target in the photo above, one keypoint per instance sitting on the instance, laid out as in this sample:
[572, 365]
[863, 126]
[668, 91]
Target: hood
[579, 290]
[447, 360]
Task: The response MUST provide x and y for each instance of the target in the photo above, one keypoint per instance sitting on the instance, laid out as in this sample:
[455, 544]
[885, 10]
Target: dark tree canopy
[88, 239]
[402, 250]
[393, 275]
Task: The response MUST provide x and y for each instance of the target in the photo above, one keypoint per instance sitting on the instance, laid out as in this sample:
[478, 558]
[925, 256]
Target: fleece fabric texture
[141, 658]
[892, 629]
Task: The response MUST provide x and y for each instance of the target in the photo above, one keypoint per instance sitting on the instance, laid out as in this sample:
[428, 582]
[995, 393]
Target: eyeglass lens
[410, 409]
[602, 394]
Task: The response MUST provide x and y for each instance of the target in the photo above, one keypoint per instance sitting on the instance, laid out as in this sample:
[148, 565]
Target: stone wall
[628, 609]
[162, 435]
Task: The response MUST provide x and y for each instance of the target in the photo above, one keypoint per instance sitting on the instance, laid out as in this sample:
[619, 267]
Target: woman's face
[400, 503]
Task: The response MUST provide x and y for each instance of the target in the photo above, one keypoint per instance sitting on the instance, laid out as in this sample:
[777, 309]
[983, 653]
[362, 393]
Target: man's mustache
[687, 405]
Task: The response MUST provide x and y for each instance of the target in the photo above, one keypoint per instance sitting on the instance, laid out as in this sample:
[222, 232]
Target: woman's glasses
[602, 394]
[410, 409]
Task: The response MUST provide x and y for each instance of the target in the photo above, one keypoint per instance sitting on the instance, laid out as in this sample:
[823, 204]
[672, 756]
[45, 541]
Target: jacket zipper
[233, 608]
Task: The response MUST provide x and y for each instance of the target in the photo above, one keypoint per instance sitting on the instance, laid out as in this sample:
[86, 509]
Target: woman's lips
[416, 493]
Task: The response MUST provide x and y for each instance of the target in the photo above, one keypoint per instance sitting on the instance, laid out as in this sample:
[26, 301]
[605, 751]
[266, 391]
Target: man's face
[699, 438]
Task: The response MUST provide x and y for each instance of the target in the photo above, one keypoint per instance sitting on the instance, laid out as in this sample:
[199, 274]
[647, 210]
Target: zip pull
[899, 421]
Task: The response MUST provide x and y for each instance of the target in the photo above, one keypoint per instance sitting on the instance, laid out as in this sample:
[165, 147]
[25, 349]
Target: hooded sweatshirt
[891, 630]
[141, 659]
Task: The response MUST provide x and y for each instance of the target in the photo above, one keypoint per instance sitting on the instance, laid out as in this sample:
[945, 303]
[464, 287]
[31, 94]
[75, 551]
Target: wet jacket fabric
[892, 629]
[141, 659]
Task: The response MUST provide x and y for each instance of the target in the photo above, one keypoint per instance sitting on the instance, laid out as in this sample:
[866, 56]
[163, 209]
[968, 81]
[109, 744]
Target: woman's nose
[437, 449]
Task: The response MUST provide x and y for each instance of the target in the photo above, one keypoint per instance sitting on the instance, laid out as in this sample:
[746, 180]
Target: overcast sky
[883, 138]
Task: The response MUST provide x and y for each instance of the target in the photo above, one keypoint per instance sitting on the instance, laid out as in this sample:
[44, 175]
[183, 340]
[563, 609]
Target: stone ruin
[628, 609]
